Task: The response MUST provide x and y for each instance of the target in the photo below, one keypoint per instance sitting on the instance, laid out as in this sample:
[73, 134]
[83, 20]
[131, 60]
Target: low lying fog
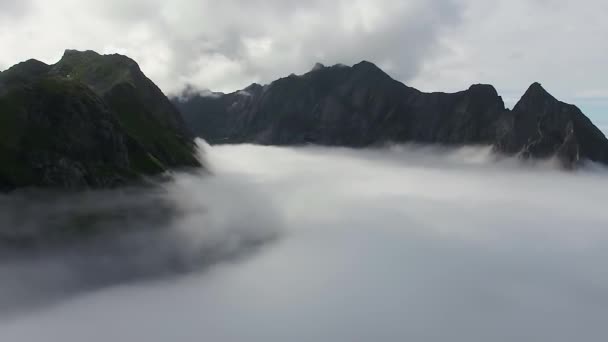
[317, 244]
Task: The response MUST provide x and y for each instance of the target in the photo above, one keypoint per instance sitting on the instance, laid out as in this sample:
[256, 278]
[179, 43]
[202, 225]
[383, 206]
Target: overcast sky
[441, 45]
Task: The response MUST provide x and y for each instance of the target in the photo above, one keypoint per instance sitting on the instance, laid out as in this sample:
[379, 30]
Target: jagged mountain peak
[98, 70]
[31, 67]
[536, 87]
[536, 91]
[88, 59]
[30, 64]
[88, 120]
[68, 53]
[368, 67]
[366, 64]
[362, 105]
[253, 88]
[484, 88]
[90, 55]
[318, 66]
[23, 72]
[537, 100]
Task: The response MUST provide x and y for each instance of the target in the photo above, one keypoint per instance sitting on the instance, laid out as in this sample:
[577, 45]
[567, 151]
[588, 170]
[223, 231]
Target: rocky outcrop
[362, 106]
[87, 121]
[541, 126]
[142, 109]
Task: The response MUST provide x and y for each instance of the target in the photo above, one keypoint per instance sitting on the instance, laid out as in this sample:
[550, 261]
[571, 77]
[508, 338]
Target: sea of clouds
[318, 244]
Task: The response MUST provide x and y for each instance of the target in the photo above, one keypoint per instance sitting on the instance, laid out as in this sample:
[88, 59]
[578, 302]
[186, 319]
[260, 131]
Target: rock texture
[89, 120]
[361, 106]
[541, 126]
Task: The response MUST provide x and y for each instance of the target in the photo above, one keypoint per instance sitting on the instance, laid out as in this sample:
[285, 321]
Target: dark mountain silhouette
[87, 121]
[361, 106]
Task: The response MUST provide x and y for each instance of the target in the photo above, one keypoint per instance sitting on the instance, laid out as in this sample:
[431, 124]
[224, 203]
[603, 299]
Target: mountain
[541, 126]
[88, 121]
[361, 106]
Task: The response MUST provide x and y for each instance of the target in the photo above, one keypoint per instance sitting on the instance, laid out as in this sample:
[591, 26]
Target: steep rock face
[220, 112]
[541, 126]
[22, 74]
[348, 106]
[62, 131]
[362, 106]
[141, 107]
[56, 132]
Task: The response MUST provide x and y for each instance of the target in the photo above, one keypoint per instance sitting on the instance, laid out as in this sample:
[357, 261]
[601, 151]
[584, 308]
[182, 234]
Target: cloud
[54, 246]
[438, 45]
[13, 9]
[513, 43]
[407, 243]
[227, 45]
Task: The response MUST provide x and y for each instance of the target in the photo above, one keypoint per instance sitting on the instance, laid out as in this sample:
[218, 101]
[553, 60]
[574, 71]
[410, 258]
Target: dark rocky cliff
[89, 120]
[541, 126]
[361, 106]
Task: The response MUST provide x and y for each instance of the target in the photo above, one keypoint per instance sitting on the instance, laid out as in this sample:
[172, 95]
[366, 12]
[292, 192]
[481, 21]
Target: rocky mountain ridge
[361, 106]
[89, 120]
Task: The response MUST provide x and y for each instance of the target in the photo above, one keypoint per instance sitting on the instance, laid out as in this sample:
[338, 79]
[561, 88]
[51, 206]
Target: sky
[436, 45]
[400, 244]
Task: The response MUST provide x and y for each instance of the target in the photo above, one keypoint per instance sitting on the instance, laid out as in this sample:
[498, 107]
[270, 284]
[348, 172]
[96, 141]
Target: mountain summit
[89, 120]
[542, 126]
[362, 106]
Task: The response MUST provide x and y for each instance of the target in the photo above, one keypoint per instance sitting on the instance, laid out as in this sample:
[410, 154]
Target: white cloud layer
[516, 42]
[224, 46]
[386, 245]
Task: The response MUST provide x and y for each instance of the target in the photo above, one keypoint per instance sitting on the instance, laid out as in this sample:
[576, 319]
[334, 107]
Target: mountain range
[89, 120]
[362, 106]
[97, 121]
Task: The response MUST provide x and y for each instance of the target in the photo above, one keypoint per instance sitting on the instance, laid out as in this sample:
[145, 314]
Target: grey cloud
[401, 244]
[227, 45]
[435, 45]
[558, 43]
[55, 246]
[11, 10]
